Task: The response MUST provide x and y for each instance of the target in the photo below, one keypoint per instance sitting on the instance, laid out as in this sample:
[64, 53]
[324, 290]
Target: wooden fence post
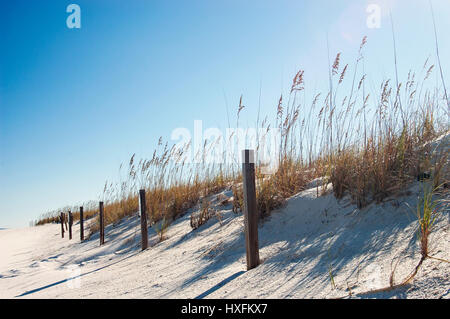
[144, 230]
[81, 224]
[250, 210]
[102, 224]
[70, 225]
[61, 219]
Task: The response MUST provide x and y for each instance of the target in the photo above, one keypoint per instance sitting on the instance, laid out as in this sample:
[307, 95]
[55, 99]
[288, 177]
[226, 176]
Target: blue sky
[75, 103]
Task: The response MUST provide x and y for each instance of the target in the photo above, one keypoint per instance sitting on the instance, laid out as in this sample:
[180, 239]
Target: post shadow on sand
[219, 285]
[29, 292]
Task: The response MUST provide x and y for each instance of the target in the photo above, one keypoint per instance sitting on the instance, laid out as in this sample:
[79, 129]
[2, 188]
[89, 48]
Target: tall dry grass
[369, 146]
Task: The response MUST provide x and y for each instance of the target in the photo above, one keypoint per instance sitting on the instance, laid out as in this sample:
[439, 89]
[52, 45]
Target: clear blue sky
[75, 103]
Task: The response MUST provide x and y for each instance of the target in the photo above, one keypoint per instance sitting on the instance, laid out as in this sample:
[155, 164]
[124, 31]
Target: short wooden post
[144, 229]
[250, 210]
[81, 224]
[61, 219]
[102, 224]
[70, 225]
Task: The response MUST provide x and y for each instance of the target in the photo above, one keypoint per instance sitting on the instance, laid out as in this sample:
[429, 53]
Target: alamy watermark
[373, 276]
[73, 280]
[214, 146]
[74, 19]
[373, 20]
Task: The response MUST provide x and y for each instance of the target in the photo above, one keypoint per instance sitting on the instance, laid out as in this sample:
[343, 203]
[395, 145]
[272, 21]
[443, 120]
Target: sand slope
[301, 244]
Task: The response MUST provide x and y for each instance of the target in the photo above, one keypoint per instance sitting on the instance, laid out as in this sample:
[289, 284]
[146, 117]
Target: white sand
[299, 245]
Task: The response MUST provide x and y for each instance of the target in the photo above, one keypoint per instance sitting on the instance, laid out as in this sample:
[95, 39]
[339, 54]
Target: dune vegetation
[369, 146]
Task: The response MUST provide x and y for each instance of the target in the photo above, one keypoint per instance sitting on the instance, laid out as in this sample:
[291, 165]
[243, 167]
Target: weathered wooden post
[81, 224]
[144, 230]
[102, 224]
[250, 210]
[61, 219]
[70, 225]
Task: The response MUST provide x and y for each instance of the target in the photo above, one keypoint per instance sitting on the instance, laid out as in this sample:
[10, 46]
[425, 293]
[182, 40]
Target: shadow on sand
[29, 292]
[219, 285]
